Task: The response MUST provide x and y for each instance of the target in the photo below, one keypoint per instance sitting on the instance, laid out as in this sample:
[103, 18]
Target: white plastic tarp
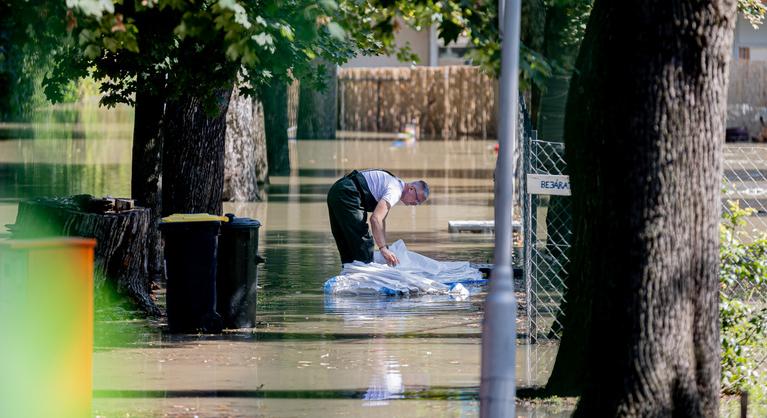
[415, 275]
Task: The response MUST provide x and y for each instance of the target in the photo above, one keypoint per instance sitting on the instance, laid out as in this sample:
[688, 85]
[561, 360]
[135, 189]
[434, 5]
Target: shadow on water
[551, 408]
[424, 393]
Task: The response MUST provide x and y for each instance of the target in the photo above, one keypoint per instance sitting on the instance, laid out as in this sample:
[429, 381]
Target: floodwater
[309, 355]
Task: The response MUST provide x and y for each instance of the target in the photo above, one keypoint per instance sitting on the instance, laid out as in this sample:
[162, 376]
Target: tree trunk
[532, 35]
[146, 168]
[275, 100]
[193, 156]
[120, 256]
[146, 160]
[245, 157]
[644, 131]
[559, 48]
[317, 110]
[551, 115]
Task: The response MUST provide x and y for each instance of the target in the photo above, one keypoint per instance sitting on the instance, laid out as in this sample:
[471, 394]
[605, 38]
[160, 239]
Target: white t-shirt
[384, 186]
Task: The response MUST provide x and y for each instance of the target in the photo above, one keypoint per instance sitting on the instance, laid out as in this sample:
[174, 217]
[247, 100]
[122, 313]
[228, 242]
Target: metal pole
[499, 334]
[530, 291]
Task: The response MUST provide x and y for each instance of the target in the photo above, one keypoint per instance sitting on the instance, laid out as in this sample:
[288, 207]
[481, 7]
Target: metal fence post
[532, 329]
[499, 336]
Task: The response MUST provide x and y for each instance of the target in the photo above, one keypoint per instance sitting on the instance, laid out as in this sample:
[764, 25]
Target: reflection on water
[361, 308]
[41, 179]
[386, 381]
[310, 355]
[67, 150]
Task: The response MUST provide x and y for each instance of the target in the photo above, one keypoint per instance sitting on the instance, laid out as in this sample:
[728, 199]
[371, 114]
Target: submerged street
[316, 355]
[310, 354]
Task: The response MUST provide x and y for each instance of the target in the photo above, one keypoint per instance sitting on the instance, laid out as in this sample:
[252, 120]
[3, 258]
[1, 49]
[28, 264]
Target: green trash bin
[191, 248]
[237, 281]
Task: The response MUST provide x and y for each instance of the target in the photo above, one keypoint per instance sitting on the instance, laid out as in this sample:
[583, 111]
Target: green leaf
[449, 31]
[287, 32]
[86, 37]
[329, 5]
[263, 39]
[94, 8]
[232, 52]
[131, 44]
[240, 15]
[336, 31]
[181, 30]
[111, 44]
[92, 51]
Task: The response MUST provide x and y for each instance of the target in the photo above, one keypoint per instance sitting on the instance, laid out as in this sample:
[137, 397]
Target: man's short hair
[424, 188]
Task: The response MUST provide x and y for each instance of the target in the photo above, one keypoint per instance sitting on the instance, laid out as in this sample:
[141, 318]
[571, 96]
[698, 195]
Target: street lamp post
[499, 331]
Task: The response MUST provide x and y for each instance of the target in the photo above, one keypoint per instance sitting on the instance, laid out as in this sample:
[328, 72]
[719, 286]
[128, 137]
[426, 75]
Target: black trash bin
[191, 248]
[237, 280]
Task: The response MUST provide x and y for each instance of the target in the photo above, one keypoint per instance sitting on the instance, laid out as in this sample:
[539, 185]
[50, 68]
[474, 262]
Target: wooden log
[121, 251]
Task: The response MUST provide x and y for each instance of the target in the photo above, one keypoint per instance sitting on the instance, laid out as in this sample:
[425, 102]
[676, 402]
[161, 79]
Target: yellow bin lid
[193, 217]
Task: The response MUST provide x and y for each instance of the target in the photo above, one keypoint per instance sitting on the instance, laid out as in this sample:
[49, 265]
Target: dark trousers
[347, 201]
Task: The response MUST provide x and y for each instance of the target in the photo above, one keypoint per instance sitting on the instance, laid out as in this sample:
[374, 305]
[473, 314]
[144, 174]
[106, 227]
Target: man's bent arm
[378, 222]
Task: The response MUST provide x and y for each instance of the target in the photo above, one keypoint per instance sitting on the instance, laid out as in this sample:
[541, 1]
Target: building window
[744, 53]
[453, 55]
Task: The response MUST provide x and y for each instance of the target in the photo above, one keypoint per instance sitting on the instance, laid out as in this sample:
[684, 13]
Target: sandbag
[415, 275]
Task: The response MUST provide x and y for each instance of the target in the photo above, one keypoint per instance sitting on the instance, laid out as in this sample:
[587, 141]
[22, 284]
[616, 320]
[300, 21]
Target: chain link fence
[745, 182]
[547, 227]
[547, 236]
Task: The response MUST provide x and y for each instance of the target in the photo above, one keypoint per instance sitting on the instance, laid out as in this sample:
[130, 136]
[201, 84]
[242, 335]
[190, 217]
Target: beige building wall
[419, 44]
[749, 44]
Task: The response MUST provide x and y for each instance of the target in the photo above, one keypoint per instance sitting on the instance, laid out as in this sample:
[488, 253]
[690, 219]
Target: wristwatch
[385, 246]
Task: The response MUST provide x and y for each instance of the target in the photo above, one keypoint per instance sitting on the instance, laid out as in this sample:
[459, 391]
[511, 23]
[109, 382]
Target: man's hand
[389, 256]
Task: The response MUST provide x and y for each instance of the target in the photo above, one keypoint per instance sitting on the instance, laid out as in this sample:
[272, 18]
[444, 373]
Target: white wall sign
[548, 184]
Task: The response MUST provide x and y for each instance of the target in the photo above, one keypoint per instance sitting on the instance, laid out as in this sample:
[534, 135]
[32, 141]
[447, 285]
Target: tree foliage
[753, 11]
[163, 40]
[27, 37]
[274, 39]
[268, 41]
[478, 21]
[744, 323]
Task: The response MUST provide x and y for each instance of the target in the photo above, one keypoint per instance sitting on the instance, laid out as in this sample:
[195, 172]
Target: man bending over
[359, 192]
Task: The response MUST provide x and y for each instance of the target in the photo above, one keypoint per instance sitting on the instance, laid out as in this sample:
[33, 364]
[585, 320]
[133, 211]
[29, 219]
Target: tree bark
[275, 100]
[193, 155]
[644, 131]
[120, 256]
[146, 168]
[146, 157]
[245, 162]
[318, 110]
